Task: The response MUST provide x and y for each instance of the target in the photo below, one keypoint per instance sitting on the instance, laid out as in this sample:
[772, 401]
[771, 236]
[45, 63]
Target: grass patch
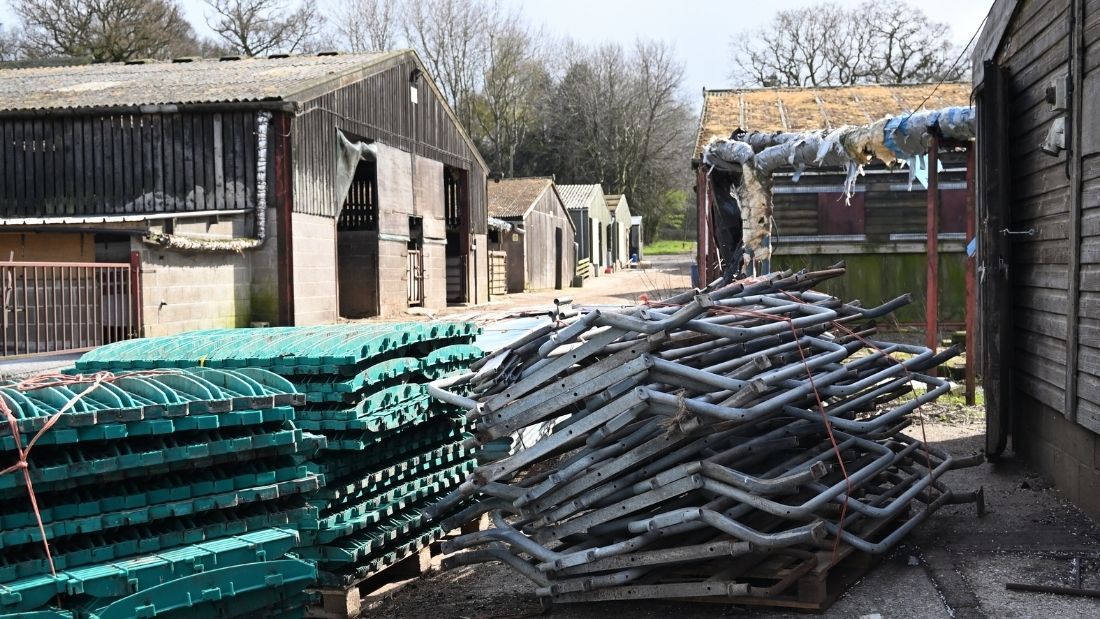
[665, 248]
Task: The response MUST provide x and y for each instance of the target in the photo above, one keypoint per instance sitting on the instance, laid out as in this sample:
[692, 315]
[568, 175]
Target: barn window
[361, 205]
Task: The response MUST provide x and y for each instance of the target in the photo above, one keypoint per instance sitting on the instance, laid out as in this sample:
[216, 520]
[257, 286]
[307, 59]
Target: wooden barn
[881, 232]
[215, 193]
[592, 220]
[542, 255]
[621, 222]
[1037, 81]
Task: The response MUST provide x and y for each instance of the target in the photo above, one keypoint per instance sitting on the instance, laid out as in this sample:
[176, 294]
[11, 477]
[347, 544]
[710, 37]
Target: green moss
[265, 307]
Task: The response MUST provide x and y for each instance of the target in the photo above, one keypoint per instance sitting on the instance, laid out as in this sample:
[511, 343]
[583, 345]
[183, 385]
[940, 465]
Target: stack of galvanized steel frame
[187, 484]
[736, 443]
[159, 493]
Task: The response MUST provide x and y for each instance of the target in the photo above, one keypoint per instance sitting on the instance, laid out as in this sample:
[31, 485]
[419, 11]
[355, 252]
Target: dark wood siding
[64, 166]
[1033, 53]
[379, 107]
[882, 204]
[1088, 325]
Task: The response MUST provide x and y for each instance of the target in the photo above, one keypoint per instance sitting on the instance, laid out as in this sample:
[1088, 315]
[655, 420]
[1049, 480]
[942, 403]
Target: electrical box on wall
[1057, 94]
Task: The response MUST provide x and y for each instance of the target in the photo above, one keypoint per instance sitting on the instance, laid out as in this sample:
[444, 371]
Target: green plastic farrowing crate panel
[97, 548]
[125, 577]
[54, 467]
[127, 494]
[285, 350]
[143, 397]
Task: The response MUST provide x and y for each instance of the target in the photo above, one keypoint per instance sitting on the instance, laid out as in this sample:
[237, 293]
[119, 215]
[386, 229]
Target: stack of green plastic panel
[154, 486]
[391, 449]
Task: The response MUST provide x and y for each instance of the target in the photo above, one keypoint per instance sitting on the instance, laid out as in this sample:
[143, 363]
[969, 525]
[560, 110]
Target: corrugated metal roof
[161, 83]
[578, 196]
[809, 109]
[512, 197]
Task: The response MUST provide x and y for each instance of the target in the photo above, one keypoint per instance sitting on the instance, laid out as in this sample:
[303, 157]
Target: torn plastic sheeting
[723, 154]
[348, 156]
[957, 123]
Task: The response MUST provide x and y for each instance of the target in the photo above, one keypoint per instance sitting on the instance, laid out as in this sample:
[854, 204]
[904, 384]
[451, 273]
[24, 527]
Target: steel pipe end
[704, 301]
[818, 531]
[819, 469]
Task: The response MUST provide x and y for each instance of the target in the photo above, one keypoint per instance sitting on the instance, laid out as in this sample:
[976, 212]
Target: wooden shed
[588, 209]
[546, 256]
[1037, 84]
[282, 190]
[880, 232]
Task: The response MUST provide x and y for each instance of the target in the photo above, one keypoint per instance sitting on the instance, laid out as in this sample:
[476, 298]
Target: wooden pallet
[811, 583]
[368, 593]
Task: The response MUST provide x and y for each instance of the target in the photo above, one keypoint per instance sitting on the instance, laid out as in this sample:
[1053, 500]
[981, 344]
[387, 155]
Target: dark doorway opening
[357, 245]
[456, 210]
[559, 257]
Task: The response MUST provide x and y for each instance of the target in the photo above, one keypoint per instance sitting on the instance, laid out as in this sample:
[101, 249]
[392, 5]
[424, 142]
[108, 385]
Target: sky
[700, 32]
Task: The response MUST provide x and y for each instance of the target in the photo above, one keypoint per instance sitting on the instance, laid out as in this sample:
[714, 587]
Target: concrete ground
[661, 277]
[954, 565]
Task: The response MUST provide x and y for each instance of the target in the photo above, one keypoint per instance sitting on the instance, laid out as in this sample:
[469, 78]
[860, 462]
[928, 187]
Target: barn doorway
[456, 209]
[559, 258]
[357, 245]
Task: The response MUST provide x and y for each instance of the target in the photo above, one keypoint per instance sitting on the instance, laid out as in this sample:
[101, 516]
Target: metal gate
[68, 306]
[416, 277]
[498, 273]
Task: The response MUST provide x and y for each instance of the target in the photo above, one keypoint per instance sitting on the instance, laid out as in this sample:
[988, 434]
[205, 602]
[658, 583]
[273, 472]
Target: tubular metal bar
[805, 534]
[632, 401]
[665, 556]
[709, 588]
[627, 365]
[486, 555]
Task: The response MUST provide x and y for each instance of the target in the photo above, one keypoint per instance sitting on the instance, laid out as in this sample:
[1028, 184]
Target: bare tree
[257, 27]
[105, 30]
[619, 119]
[829, 45]
[905, 49]
[365, 25]
[506, 107]
[10, 44]
[452, 36]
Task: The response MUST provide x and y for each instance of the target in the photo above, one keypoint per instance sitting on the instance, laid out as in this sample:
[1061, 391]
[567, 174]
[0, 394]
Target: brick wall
[358, 271]
[265, 275]
[315, 289]
[1064, 452]
[393, 288]
[184, 291]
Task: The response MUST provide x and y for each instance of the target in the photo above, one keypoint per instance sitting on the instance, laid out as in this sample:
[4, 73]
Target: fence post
[138, 322]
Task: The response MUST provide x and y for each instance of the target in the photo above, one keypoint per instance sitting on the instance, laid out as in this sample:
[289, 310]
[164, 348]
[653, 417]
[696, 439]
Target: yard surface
[954, 565]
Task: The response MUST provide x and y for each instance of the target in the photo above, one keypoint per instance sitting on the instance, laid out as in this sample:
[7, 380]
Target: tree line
[535, 103]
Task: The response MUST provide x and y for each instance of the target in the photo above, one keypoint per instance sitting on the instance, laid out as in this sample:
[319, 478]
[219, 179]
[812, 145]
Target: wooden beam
[931, 322]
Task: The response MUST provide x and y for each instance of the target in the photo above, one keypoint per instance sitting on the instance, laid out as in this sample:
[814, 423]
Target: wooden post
[136, 302]
[931, 319]
[702, 211]
[971, 261]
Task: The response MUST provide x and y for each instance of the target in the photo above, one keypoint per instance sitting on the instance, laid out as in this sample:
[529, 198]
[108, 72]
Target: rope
[22, 463]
